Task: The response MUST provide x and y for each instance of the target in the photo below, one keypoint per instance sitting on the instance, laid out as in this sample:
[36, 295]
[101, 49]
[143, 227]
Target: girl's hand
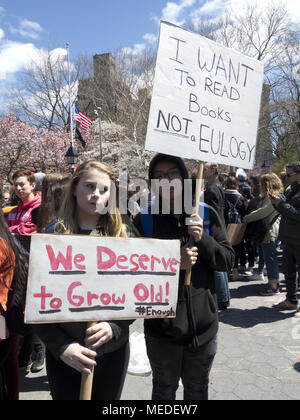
[98, 334]
[195, 226]
[274, 200]
[188, 257]
[79, 358]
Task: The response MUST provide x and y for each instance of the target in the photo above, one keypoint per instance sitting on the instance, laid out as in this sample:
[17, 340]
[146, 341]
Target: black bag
[256, 231]
[233, 216]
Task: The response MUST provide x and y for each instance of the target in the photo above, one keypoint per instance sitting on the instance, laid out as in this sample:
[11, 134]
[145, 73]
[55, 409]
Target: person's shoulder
[3, 244]
[130, 228]
[6, 251]
[8, 209]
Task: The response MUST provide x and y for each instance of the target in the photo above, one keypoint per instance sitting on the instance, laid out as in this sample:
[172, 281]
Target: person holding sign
[185, 346]
[72, 348]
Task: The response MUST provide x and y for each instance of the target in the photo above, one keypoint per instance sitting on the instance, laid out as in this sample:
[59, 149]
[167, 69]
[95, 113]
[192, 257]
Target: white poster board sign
[83, 278]
[206, 100]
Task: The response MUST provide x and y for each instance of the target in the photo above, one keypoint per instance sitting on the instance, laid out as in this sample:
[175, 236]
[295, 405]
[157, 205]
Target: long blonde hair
[270, 184]
[110, 222]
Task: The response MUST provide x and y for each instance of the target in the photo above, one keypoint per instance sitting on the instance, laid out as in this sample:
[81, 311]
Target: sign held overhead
[206, 100]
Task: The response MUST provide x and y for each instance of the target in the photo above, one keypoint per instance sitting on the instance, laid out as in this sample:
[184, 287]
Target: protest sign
[206, 100]
[84, 278]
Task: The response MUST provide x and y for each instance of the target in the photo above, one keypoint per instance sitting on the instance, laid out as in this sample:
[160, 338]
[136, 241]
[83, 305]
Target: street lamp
[72, 157]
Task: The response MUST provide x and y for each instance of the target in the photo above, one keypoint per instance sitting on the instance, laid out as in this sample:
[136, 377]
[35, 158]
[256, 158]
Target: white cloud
[16, 56]
[27, 29]
[150, 38]
[1, 34]
[135, 50]
[215, 7]
[173, 12]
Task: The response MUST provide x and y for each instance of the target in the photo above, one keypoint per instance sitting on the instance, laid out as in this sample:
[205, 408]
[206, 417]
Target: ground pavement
[258, 356]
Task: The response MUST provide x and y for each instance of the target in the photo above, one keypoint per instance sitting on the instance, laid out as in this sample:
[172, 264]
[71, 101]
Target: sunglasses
[290, 175]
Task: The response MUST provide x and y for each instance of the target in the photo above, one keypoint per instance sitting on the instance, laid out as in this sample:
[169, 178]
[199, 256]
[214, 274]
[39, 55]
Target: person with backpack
[185, 346]
[234, 212]
[271, 185]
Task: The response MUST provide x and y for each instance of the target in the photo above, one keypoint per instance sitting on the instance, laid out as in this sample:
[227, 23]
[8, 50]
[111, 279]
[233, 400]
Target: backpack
[233, 216]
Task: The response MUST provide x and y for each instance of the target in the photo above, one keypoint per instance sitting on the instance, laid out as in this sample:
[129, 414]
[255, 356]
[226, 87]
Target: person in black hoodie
[214, 197]
[185, 346]
[234, 198]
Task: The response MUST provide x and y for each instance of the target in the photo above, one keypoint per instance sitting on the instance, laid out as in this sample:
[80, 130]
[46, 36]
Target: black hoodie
[196, 321]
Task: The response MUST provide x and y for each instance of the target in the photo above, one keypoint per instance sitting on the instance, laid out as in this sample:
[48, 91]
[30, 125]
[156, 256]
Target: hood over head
[160, 157]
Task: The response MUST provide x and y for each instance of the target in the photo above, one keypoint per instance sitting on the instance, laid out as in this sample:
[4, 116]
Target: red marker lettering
[74, 300]
[43, 295]
[66, 262]
[105, 265]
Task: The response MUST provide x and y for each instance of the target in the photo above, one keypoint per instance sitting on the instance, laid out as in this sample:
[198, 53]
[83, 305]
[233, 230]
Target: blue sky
[94, 26]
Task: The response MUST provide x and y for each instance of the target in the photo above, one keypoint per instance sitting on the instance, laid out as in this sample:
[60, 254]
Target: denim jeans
[270, 257]
[261, 262]
[222, 287]
[170, 362]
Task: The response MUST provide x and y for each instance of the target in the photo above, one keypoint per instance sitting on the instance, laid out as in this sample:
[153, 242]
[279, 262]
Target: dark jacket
[236, 199]
[289, 230]
[196, 321]
[214, 196]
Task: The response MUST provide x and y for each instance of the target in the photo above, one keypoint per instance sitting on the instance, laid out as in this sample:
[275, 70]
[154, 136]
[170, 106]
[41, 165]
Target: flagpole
[100, 132]
[98, 112]
[70, 105]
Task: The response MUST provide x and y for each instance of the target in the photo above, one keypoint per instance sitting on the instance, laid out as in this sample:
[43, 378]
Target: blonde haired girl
[270, 185]
[71, 347]
[84, 181]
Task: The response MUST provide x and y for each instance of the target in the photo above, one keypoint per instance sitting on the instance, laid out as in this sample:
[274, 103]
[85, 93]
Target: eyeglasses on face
[170, 175]
[290, 175]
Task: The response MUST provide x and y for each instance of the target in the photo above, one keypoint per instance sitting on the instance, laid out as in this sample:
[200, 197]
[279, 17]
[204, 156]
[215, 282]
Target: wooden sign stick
[195, 210]
[86, 386]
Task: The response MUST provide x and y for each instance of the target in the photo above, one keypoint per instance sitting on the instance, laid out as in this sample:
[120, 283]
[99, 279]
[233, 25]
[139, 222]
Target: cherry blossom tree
[24, 146]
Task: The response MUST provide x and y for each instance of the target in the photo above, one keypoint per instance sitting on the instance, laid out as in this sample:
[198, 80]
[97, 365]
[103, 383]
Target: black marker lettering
[246, 73]
[177, 49]
[250, 151]
[161, 115]
[205, 66]
[202, 139]
[193, 100]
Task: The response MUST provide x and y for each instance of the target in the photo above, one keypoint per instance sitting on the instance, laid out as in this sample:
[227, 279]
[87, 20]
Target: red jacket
[20, 218]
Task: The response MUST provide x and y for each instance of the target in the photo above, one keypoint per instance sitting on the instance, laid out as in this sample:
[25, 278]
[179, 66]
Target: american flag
[83, 120]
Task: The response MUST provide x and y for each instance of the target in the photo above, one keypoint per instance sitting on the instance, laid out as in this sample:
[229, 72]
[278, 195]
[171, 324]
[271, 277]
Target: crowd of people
[268, 209]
